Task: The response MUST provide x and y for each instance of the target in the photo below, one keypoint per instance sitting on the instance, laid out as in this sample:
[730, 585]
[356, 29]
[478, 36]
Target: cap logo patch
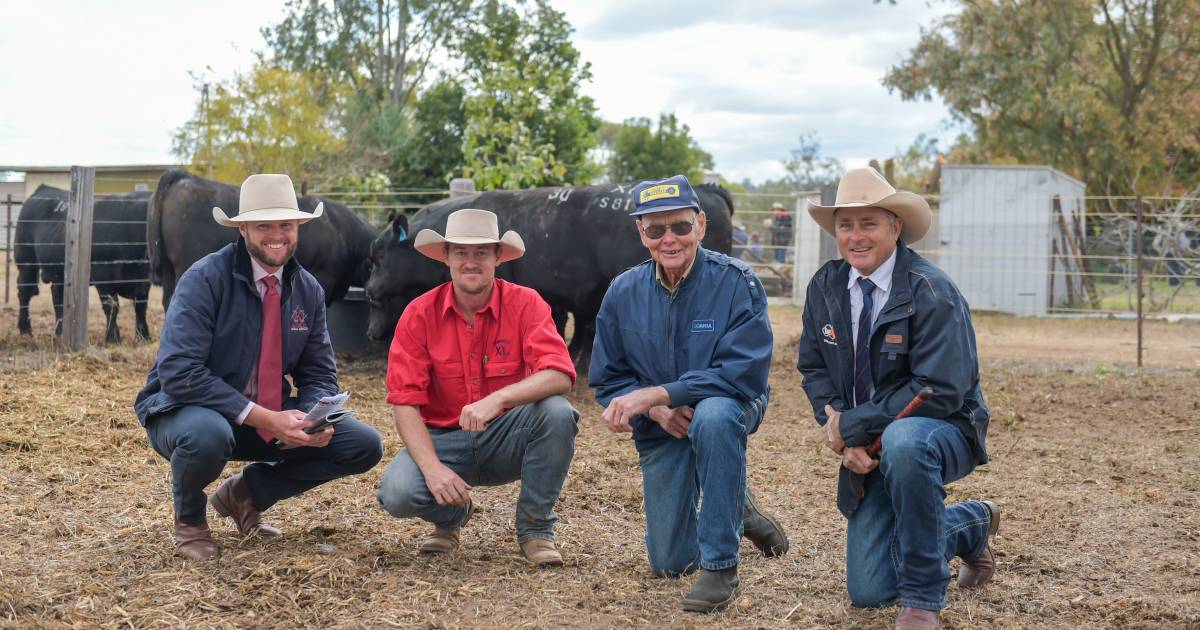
[662, 191]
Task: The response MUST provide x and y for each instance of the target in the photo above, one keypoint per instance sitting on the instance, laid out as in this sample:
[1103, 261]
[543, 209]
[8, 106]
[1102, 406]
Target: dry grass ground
[1093, 462]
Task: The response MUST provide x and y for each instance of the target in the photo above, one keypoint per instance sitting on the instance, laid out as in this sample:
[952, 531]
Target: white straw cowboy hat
[470, 226]
[267, 197]
[865, 187]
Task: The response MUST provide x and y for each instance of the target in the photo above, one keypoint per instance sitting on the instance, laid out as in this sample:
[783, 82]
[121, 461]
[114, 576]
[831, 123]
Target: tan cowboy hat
[470, 226]
[865, 187]
[778, 206]
[267, 197]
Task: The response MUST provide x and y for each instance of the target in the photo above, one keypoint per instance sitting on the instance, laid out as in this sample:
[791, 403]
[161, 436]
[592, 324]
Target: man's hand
[623, 408]
[477, 415]
[855, 459]
[446, 486]
[831, 434]
[288, 427]
[674, 421]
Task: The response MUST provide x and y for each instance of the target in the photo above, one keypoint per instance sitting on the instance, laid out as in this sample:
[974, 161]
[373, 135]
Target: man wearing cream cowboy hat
[242, 318]
[476, 374]
[879, 326]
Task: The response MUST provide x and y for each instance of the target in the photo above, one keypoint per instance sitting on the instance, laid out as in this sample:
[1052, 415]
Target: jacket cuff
[853, 429]
[678, 391]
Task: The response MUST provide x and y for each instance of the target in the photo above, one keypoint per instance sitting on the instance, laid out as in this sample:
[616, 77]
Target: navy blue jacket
[712, 339]
[210, 339]
[923, 337]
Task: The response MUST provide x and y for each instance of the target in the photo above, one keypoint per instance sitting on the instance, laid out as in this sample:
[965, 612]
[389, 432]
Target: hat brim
[433, 245]
[656, 210]
[266, 214]
[912, 209]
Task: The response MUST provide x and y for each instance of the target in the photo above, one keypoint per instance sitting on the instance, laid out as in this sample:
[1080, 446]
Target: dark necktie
[270, 354]
[862, 349]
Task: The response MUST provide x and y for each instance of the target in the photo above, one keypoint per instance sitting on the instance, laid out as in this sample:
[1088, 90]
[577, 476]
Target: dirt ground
[1093, 462]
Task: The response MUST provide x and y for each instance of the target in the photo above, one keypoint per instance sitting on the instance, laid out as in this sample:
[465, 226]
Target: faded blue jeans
[676, 472]
[533, 443]
[902, 536]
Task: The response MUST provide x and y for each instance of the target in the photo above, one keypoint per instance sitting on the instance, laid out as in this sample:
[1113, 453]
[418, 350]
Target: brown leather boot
[232, 499]
[541, 553]
[981, 570]
[195, 542]
[916, 619]
[446, 540]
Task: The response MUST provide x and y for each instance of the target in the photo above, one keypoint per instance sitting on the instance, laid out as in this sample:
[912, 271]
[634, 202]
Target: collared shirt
[261, 285]
[440, 363]
[882, 278]
[661, 275]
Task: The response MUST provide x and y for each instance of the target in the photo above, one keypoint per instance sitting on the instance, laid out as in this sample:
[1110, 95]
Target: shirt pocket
[450, 376]
[893, 352]
[502, 373]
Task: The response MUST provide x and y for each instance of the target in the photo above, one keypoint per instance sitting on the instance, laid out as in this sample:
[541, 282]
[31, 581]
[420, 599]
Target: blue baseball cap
[664, 195]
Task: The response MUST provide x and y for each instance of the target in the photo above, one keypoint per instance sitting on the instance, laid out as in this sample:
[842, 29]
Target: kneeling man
[476, 375]
[242, 318]
[909, 328]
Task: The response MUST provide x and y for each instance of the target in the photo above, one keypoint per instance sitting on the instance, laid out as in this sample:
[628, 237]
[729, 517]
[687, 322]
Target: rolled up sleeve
[409, 362]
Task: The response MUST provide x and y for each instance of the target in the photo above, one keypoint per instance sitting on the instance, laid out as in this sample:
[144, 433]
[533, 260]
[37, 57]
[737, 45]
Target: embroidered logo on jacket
[703, 325]
[830, 336]
[299, 320]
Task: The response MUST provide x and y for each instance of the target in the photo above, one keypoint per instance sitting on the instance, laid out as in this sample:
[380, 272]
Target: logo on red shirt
[502, 347]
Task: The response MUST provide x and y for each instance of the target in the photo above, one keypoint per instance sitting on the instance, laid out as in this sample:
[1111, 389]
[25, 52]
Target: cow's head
[398, 274]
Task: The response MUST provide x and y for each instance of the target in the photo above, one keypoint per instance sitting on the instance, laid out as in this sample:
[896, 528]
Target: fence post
[78, 258]
[1139, 278]
[8, 246]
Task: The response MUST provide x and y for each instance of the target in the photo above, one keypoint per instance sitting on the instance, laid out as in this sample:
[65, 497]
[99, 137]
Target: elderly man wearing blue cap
[681, 357]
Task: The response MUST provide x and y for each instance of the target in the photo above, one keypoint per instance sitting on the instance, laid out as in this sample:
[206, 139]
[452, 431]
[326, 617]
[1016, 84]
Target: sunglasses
[679, 228]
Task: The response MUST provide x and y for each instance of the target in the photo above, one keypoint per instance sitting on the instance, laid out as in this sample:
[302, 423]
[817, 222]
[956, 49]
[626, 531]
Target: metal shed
[1007, 236]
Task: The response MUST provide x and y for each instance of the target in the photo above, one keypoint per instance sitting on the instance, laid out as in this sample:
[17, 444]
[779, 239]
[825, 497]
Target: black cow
[119, 266]
[181, 230]
[577, 240]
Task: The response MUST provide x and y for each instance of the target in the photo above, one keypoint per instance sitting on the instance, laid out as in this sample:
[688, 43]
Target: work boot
[713, 591]
[916, 619]
[762, 529]
[195, 542]
[541, 553]
[232, 499]
[446, 540]
[977, 572]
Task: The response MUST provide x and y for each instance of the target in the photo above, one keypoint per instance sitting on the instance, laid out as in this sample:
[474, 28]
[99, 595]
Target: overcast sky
[108, 82]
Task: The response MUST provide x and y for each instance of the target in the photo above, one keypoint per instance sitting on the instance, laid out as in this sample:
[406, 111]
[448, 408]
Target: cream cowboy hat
[865, 187]
[470, 226]
[267, 198]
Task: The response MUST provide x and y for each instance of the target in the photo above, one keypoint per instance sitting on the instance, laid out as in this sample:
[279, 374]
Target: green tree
[1103, 89]
[642, 152]
[270, 120]
[432, 152]
[527, 124]
[807, 169]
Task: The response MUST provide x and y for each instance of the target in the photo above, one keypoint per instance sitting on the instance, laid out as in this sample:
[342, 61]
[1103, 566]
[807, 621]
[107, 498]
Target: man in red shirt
[476, 375]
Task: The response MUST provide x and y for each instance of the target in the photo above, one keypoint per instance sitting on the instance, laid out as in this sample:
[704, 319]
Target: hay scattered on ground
[1093, 464]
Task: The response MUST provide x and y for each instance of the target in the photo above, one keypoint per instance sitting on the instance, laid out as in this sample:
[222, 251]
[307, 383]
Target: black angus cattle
[577, 240]
[119, 265]
[181, 230]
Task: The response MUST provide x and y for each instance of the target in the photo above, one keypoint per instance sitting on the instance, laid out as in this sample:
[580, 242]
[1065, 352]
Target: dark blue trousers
[199, 442]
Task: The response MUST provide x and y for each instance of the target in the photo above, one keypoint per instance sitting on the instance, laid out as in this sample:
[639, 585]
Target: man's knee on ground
[664, 568]
[868, 596]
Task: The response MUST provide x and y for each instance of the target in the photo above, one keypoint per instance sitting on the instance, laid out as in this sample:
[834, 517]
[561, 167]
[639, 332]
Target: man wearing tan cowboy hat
[476, 374]
[880, 325]
[241, 319]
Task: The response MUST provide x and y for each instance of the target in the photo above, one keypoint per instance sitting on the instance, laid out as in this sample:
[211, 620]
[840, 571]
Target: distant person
[739, 240]
[755, 246]
[781, 231]
[476, 378]
[681, 358]
[241, 319]
[905, 326]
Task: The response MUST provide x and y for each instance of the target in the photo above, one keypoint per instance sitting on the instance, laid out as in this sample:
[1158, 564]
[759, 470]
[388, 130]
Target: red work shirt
[440, 364]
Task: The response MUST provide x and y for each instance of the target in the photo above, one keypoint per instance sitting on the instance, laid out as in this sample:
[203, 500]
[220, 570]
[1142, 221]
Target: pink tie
[270, 355]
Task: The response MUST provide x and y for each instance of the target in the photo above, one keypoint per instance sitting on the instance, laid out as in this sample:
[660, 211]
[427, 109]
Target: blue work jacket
[713, 338]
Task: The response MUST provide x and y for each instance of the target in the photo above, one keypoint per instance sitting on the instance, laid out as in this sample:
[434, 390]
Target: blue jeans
[199, 442]
[902, 536]
[532, 443]
[710, 461]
